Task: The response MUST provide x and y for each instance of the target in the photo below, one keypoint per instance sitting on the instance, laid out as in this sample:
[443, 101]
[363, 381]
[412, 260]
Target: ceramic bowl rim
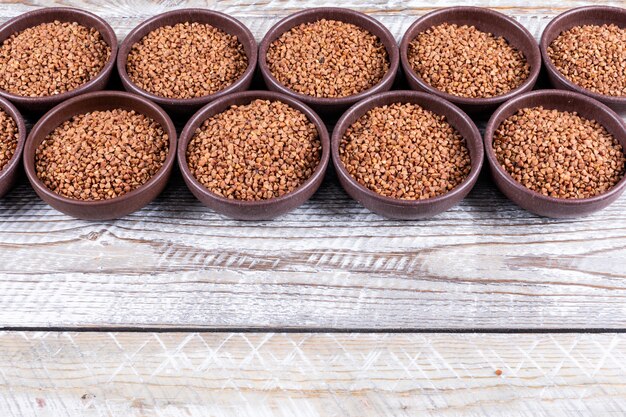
[224, 103]
[411, 33]
[363, 106]
[35, 134]
[554, 71]
[140, 31]
[16, 158]
[494, 123]
[108, 36]
[346, 15]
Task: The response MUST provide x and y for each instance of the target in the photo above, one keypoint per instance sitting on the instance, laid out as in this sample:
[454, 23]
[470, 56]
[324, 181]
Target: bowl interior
[98, 101]
[62, 14]
[338, 14]
[484, 20]
[215, 19]
[562, 101]
[242, 98]
[454, 116]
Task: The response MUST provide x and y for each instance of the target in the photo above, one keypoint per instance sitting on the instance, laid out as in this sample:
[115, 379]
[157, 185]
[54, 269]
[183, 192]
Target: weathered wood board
[329, 264]
[311, 375]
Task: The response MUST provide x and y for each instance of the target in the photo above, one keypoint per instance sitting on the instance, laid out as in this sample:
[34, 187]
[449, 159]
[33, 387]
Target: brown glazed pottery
[564, 101]
[98, 101]
[590, 15]
[62, 14]
[409, 209]
[219, 20]
[330, 106]
[485, 20]
[11, 170]
[261, 209]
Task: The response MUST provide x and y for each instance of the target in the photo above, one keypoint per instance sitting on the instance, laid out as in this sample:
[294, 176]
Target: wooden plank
[310, 375]
[329, 264]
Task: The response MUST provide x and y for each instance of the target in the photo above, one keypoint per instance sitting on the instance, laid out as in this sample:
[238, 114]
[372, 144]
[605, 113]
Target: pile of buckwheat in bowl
[8, 138]
[257, 151]
[406, 152]
[328, 58]
[466, 62]
[186, 60]
[558, 153]
[593, 57]
[51, 58]
[101, 155]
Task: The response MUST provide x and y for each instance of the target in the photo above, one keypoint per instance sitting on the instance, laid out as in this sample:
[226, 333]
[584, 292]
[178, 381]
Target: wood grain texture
[259, 16]
[329, 264]
[311, 375]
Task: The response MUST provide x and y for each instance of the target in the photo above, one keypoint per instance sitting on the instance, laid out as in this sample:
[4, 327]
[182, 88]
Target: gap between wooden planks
[483, 265]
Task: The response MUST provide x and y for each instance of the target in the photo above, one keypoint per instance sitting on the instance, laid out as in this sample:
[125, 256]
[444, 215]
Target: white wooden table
[327, 311]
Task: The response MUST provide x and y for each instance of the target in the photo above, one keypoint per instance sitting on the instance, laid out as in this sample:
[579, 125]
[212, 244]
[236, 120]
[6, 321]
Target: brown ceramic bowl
[409, 209]
[485, 20]
[11, 170]
[591, 15]
[103, 209]
[340, 104]
[534, 201]
[62, 14]
[219, 20]
[252, 210]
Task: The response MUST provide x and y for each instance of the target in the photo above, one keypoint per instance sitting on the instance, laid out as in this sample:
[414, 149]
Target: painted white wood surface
[329, 264]
[311, 375]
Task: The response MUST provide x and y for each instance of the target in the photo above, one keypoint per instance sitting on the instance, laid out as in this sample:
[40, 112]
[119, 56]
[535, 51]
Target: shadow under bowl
[185, 106]
[485, 20]
[588, 15]
[563, 101]
[99, 101]
[261, 209]
[330, 105]
[409, 209]
[11, 171]
[39, 105]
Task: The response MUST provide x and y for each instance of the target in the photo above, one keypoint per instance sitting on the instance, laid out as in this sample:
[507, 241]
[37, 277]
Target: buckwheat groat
[8, 138]
[559, 154]
[51, 58]
[101, 154]
[328, 58]
[593, 57]
[256, 151]
[406, 152]
[186, 60]
[465, 62]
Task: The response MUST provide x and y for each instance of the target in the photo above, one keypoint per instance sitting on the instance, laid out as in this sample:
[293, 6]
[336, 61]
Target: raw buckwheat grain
[8, 138]
[328, 58]
[465, 62]
[256, 151]
[101, 154]
[559, 154]
[593, 57]
[186, 60]
[406, 152]
[51, 58]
